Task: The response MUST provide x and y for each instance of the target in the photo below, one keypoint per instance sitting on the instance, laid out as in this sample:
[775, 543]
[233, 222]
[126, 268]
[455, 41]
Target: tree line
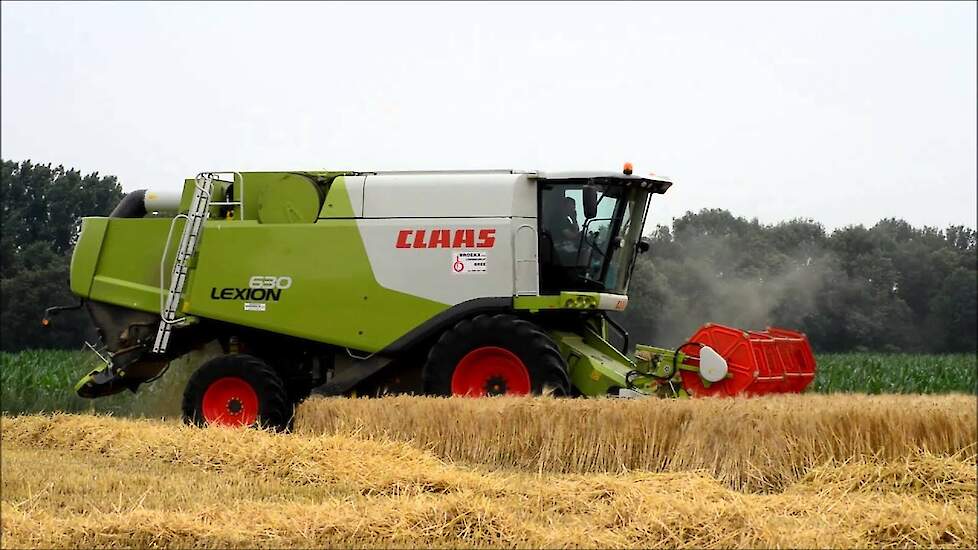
[41, 207]
[889, 287]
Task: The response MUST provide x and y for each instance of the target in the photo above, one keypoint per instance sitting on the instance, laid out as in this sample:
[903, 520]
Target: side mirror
[590, 201]
[643, 245]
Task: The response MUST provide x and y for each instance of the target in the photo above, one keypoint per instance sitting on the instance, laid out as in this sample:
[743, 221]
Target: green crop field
[43, 380]
[896, 373]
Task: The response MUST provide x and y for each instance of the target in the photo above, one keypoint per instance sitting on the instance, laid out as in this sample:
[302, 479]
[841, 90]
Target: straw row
[752, 444]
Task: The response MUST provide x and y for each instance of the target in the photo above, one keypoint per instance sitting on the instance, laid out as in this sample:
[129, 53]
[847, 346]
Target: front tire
[237, 390]
[495, 355]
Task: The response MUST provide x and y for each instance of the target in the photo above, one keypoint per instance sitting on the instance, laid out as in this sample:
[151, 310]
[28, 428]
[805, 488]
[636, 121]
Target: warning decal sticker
[466, 261]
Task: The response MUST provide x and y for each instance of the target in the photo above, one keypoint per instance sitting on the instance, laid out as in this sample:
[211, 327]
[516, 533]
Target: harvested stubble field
[798, 471]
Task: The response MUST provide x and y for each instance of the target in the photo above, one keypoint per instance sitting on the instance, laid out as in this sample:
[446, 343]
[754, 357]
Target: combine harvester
[362, 283]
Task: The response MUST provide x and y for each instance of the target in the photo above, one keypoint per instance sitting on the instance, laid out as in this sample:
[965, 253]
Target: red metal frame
[759, 362]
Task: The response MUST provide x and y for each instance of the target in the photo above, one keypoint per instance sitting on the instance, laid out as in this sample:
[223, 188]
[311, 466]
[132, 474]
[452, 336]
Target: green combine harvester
[471, 283]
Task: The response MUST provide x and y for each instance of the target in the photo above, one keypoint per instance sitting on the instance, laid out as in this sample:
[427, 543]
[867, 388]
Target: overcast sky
[845, 113]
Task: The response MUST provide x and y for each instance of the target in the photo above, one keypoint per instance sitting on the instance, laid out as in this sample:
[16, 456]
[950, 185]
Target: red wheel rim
[230, 401]
[490, 370]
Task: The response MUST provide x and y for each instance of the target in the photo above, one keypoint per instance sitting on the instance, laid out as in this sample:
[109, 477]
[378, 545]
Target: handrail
[237, 178]
[166, 250]
[197, 213]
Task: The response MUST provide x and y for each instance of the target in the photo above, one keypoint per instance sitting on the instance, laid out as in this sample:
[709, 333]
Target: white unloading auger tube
[161, 201]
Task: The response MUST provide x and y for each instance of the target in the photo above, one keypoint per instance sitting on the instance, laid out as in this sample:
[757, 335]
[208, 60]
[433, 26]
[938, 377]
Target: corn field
[896, 373]
[43, 380]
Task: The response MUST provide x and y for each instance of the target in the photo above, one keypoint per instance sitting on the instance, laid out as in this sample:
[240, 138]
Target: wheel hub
[230, 401]
[495, 385]
[235, 406]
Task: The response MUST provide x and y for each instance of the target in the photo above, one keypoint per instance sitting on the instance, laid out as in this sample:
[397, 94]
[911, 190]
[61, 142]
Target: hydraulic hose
[675, 356]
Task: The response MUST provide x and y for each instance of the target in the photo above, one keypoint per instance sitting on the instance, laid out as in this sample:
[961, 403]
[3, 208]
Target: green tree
[952, 312]
[891, 287]
[41, 207]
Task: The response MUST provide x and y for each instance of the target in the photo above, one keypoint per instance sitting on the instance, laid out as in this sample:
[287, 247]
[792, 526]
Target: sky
[845, 113]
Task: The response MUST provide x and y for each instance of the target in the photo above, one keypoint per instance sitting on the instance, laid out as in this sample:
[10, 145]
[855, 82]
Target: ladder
[195, 216]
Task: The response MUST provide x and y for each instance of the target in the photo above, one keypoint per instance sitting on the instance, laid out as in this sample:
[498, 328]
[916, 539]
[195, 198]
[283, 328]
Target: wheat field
[755, 444]
[792, 471]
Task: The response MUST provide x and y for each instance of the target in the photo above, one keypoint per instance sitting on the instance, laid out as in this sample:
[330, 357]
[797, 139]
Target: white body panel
[457, 195]
[398, 215]
[614, 302]
[413, 228]
[432, 272]
[527, 270]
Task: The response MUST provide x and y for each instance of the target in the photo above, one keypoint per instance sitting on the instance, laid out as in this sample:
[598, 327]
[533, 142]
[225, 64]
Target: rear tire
[495, 355]
[237, 390]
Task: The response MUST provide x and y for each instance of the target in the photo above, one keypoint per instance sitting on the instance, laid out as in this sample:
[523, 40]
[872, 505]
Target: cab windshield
[591, 253]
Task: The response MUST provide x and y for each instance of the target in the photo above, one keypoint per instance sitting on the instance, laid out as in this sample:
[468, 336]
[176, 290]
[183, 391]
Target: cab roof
[657, 184]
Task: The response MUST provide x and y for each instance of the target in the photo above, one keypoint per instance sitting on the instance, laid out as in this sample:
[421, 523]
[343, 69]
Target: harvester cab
[472, 283]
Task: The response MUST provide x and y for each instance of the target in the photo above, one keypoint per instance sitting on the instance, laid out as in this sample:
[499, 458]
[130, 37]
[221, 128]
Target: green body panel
[269, 197]
[337, 208]
[125, 261]
[86, 255]
[292, 200]
[333, 298]
[593, 365]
